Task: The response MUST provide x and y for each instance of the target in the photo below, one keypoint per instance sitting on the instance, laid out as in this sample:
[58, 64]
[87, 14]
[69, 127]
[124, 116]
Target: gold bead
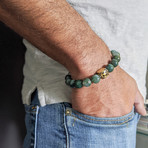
[103, 73]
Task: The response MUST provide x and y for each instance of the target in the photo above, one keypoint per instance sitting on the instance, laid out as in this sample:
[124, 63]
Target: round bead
[110, 67]
[86, 82]
[117, 58]
[78, 84]
[72, 83]
[95, 78]
[114, 62]
[103, 72]
[115, 53]
[67, 81]
[67, 77]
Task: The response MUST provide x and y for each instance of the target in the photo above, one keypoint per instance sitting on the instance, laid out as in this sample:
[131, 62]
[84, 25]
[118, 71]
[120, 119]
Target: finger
[139, 104]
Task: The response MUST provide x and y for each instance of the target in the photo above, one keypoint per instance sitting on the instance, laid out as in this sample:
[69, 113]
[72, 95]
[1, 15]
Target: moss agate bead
[67, 81]
[67, 77]
[86, 82]
[103, 72]
[72, 83]
[114, 62]
[78, 84]
[115, 53]
[110, 67]
[95, 78]
[117, 58]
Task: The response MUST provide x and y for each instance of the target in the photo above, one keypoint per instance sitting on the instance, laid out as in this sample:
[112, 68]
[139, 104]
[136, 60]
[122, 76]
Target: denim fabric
[60, 126]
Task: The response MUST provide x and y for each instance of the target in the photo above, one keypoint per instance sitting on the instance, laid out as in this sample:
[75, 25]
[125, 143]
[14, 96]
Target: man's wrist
[99, 74]
[95, 58]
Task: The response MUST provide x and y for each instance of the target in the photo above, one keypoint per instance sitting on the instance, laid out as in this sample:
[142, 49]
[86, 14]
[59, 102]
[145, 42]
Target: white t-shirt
[122, 24]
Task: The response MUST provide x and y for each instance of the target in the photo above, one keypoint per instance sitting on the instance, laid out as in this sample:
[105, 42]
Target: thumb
[139, 104]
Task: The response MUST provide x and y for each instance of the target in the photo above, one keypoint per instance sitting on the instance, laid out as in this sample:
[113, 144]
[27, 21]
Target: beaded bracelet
[100, 74]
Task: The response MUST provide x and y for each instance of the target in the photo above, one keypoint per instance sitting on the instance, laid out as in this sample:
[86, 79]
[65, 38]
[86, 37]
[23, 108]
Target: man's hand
[111, 97]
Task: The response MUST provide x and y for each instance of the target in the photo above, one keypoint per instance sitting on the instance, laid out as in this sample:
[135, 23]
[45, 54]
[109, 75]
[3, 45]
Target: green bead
[95, 78]
[115, 53]
[72, 83]
[67, 81]
[86, 82]
[114, 62]
[110, 67]
[78, 84]
[67, 77]
[117, 58]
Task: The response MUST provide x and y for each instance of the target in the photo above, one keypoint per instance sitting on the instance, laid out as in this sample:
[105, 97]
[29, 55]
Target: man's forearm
[59, 31]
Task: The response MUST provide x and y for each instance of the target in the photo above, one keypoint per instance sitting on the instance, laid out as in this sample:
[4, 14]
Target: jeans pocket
[112, 121]
[88, 131]
[121, 120]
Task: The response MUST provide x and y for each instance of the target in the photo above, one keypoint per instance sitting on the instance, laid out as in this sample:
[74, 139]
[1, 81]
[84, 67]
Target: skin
[59, 31]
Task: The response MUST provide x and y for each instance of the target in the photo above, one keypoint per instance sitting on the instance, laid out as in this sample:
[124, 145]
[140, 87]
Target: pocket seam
[126, 119]
[106, 120]
[102, 119]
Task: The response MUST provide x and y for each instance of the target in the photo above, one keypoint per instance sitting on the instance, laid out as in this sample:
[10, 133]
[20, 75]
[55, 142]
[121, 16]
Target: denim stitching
[108, 120]
[66, 130]
[102, 120]
[35, 136]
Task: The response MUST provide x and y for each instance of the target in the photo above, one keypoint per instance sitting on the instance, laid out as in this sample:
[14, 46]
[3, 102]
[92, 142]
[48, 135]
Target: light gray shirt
[122, 24]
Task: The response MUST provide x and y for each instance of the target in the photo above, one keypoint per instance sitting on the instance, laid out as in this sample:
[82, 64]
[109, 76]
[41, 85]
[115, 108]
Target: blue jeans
[60, 126]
